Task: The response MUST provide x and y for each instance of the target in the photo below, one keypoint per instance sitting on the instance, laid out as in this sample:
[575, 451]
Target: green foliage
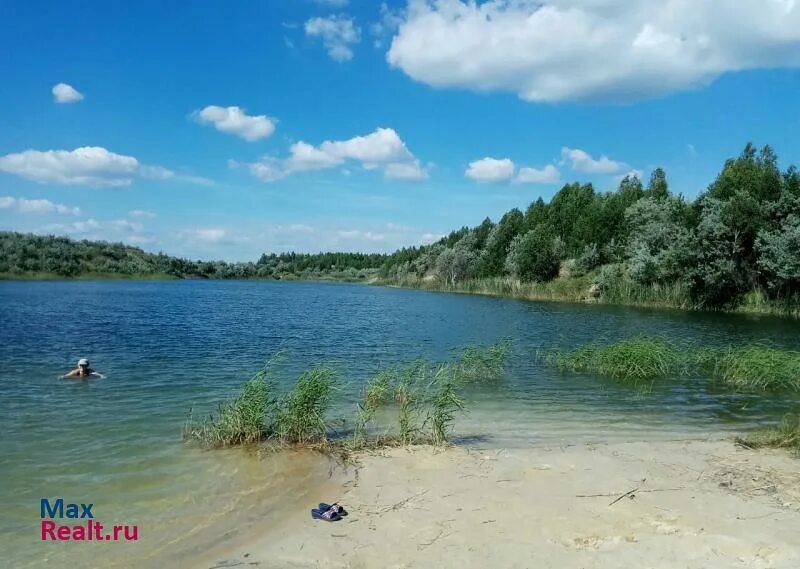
[245, 419]
[536, 256]
[482, 363]
[444, 405]
[752, 368]
[785, 435]
[375, 394]
[634, 361]
[301, 413]
[778, 256]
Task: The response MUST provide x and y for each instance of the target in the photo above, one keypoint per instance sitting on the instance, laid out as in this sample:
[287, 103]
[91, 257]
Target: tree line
[741, 234]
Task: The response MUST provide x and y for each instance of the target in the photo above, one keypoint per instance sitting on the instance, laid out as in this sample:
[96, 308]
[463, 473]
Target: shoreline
[576, 295]
[689, 503]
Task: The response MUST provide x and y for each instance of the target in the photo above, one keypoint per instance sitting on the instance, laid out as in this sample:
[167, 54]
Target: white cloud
[85, 166]
[141, 214]
[382, 149]
[63, 93]
[581, 161]
[209, 235]
[23, 205]
[388, 22]
[126, 225]
[547, 175]
[89, 165]
[338, 33]
[600, 50]
[234, 120]
[490, 170]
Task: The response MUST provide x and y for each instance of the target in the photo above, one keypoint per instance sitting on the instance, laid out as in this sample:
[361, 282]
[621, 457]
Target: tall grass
[301, 413]
[376, 392]
[242, 420]
[752, 368]
[444, 405]
[482, 363]
[635, 360]
[786, 435]
[409, 395]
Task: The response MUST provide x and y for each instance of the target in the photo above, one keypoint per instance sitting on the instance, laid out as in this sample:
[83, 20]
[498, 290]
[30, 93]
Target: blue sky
[223, 130]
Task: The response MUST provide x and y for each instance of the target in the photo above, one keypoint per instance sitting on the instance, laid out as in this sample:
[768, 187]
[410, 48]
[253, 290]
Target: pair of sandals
[328, 512]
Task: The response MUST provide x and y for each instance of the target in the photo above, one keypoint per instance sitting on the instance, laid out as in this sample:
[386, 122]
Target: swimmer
[83, 371]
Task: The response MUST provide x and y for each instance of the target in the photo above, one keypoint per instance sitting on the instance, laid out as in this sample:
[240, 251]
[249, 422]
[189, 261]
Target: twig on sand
[628, 493]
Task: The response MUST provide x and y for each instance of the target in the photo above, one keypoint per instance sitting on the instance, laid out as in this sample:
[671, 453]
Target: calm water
[166, 346]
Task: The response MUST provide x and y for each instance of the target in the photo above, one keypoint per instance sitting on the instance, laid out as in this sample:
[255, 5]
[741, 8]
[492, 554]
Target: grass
[616, 286]
[634, 361]
[445, 403]
[301, 413]
[752, 368]
[786, 436]
[242, 420]
[482, 363]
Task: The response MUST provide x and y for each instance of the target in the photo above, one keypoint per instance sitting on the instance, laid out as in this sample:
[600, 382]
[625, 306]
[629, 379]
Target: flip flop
[325, 515]
[335, 506]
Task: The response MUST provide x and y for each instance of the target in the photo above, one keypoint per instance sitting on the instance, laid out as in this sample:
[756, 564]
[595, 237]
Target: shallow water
[166, 346]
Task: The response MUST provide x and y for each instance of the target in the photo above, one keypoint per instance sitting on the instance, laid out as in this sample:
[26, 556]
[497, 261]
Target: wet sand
[663, 504]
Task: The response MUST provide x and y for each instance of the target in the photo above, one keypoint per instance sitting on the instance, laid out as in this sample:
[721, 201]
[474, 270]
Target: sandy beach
[687, 504]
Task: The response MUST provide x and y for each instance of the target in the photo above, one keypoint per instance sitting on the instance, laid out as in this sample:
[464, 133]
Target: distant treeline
[738, 240]
[33, 255]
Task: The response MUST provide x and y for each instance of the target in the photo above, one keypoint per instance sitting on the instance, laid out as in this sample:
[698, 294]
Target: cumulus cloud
[547, 175]
[234, 120]
[581, 161]
[338, 34]
[598, 50]
[490, 170]
[210, 235]
[23, 205]
[382, 150]
[85, 166]
[63, 93]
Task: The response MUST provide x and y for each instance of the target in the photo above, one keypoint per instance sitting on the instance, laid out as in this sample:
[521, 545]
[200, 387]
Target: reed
[785, 435]
[242, 420]
[376, 393]
[482, 363]
[444, 404]
[301, 413]
[752, 368]
[635, 360]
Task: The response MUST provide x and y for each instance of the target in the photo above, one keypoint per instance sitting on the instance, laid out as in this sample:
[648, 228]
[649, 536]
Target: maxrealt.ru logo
[88, 529]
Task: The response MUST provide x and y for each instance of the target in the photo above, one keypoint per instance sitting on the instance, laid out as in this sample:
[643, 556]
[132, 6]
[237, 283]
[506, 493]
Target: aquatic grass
[785, 435]
[635, 360]
[752, 368]
[301, 413]
[444, 404]
[409, 395]
[376, 393]
[242, 420]
[482, 363]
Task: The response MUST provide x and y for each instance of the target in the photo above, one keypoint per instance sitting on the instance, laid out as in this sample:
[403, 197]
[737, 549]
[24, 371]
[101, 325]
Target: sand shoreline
[657, 504]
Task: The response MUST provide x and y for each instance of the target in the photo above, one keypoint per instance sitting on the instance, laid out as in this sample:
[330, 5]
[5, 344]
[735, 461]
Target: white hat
[83, 362]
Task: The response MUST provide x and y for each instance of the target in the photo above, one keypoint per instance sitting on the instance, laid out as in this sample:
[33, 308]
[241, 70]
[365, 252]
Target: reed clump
[786, 435]
[752, 368]
[242, 420]
[635, 360]
[301, 413]
[482, 363]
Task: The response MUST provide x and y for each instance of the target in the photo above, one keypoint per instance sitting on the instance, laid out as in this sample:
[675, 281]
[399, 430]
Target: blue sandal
[335, 507]
[328, 515]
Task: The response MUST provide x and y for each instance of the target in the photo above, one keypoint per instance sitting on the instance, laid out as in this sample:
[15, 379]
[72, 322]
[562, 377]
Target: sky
[223, 130]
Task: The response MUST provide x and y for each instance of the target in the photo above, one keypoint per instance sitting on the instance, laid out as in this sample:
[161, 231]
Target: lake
[169, 346]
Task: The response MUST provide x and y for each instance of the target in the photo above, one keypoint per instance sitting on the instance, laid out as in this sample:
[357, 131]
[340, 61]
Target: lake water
[166, 346]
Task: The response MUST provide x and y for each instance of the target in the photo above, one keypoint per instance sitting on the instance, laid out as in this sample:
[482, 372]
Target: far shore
[573, 291]
[673, 504]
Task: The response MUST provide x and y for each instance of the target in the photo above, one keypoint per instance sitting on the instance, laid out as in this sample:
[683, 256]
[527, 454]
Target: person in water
[83, 371]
